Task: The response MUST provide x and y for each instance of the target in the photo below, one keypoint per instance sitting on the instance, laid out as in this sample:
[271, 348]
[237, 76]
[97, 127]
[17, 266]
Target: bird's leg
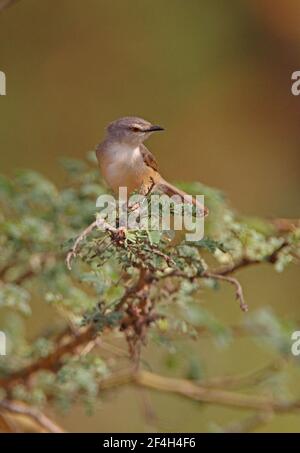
[145, 190]
[150, 187]
[134, 206]
[121, 233]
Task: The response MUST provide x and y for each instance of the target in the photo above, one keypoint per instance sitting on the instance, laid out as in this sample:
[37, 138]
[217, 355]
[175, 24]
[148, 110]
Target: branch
[197, 392]
[190, 390]
[224, 274]
[20, 408]
[67, 343]
[5, 269]
[32, 270]
[135, 289]
[245, 262]
[52, 362]
[205, 392]
[5, 425]
[247, 380]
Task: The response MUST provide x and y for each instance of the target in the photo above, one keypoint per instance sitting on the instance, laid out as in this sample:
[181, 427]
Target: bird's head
[131, 130]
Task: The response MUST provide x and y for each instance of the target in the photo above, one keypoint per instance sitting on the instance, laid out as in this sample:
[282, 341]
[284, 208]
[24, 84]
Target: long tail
[170, 190]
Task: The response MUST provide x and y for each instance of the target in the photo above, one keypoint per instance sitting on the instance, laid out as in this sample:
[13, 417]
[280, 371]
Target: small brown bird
[126, 162]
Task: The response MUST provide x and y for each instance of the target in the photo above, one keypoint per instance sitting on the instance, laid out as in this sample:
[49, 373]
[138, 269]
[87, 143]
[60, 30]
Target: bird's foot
[120, 234]
[134, 206]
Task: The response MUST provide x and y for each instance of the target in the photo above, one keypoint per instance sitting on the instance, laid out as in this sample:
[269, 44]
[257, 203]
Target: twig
[90, 346]
[167, 258]
[244, 380]
[20, 408]
[238, 287]
[99, 223]
[146, 406]
[73, 252]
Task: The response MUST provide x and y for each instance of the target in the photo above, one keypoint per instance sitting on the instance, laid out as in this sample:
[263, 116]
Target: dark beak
[154, 128]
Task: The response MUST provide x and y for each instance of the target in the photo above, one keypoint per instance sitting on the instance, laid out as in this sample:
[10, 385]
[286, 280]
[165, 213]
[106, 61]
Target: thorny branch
[135, 322]
[202, 392]
[138, 317]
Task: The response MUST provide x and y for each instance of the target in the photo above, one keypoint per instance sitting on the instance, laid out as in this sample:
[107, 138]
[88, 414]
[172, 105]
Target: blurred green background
[217, 75]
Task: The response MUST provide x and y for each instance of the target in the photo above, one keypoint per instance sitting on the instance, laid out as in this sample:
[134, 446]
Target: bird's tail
[171, 190]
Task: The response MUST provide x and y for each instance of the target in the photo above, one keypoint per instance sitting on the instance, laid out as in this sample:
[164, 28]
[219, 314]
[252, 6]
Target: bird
[125, 161]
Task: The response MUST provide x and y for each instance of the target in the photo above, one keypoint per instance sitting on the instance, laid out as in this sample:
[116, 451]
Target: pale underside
[123, 166]
[136, 169]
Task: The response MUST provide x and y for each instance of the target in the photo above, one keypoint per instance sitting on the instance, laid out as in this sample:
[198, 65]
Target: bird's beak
[154, 128]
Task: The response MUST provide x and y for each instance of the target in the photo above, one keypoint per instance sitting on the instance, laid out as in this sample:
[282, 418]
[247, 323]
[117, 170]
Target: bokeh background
[217, 75]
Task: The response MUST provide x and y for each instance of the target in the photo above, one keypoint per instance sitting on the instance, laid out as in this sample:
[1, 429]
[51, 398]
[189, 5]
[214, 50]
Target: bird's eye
[135, 129]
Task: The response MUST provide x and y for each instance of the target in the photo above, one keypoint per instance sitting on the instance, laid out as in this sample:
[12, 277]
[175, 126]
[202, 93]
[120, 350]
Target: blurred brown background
[217, 75]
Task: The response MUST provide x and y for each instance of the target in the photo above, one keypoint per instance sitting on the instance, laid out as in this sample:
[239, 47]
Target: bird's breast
[123, 166]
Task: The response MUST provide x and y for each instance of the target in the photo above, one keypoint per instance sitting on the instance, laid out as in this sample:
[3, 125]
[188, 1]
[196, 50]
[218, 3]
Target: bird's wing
[148, 158]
